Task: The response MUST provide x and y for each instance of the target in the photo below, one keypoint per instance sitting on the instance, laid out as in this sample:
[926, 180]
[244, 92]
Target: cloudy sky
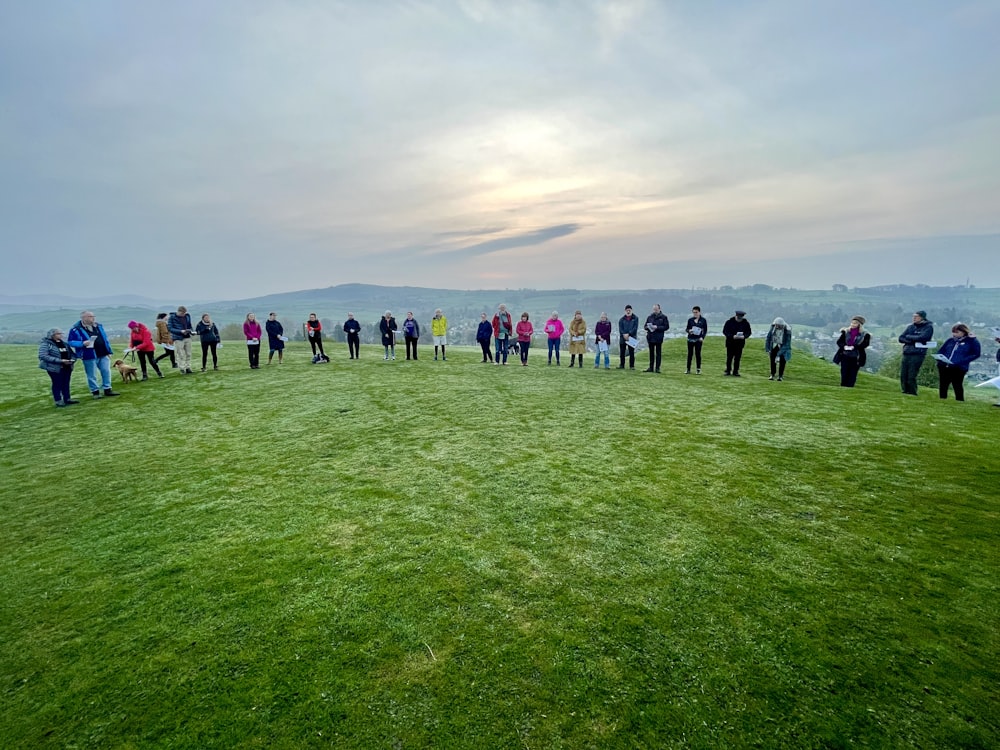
[226, 149]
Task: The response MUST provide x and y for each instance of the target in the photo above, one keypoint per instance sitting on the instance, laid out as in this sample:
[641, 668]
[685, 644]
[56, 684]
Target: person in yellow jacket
[439, 329]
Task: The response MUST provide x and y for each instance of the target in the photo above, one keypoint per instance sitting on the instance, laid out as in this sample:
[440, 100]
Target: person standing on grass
[577, 338]
[997, 340]
[411, 334]
[314, 330]
[141, 340]
[209, 335]
[554, 330]
[91, 344]
[657, 325]
[275, 338]
[252, 333]
[914, 340]
[353, 330]
[778, 345]
[602, 342]
[954, 358]
[503, 330]
[851, 351]
[483, 335]
[628, 328]
[179, 325]
[524, 333]
[56, 357]
[439, 330]
[387, 326]
[164, 339]
[697, 328]
[737, 331]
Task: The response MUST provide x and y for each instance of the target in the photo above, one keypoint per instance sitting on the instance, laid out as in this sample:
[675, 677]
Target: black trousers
[145, 357]
[849, 367]
[353, 344]
[487, 352]
[316, 342]
[776, 358]
[253, 354]
[950, 375]
[411, 342]
[908, 370]
[622, 346]
[694, 349]
[734, 353]
[655, 354]
[168, 353]
[205, 348]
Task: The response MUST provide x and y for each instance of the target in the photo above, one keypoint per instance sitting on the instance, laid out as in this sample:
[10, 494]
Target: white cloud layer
[230, 149]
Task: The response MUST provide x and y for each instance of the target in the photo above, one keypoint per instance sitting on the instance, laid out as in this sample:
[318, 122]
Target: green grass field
[455, 555]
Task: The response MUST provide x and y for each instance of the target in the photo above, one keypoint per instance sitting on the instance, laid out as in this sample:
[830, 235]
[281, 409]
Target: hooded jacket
[78, 336]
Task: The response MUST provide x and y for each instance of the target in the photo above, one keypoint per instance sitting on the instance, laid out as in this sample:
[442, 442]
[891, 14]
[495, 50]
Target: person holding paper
[997, 340]
[656, 325]
[208, 332]
[577, 338]
[179, 325]
[503, 329]
[483, 335]
[554, 330]
[353, 330]
[164, 339]
[252, 333]
[628, 330]
[275, 338]
[387, 327]
[524, 331]
[778, 345]
[602, 341]
[954, 358]
[914, 340]
[56, 357]
[141, 340]
[439, 330]
[851, 351]
[91, 344]
[314, 330]
[737, 331]
[696, 329]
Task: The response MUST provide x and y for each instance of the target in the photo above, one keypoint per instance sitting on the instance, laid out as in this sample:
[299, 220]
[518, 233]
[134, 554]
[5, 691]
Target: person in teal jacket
[778, 346]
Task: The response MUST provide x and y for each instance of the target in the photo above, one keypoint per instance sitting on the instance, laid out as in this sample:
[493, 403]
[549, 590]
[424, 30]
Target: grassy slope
[451, 554]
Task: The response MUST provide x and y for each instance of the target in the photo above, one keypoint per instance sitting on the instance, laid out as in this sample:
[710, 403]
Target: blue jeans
[502, 350]
[91, 366]
[554, 347]
[607, 358]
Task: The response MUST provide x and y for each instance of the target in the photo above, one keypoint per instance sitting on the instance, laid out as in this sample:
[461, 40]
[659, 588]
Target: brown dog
[127, 371]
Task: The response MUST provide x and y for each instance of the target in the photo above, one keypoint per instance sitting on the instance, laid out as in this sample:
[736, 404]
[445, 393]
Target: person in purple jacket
[602, 341]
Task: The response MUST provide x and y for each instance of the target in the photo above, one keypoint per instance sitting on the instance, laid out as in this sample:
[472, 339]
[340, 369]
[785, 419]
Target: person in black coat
[914, 340]
[737, 331]
[697, 328]
[208, 332]
[275, 342]
[387, 326]
[656, 325]
[483, 335]
[851, 355]
[353, 330]
[628, 327]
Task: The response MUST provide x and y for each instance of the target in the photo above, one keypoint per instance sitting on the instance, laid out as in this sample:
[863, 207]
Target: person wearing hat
[628, 328]
[851, 354]
[56, 357]
[914, 340]
[954, 358]
[141, 340]
[737, 331]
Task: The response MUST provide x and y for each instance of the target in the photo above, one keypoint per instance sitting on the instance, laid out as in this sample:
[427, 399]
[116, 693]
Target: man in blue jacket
[91, 344]
[914, 340]
[179, 325]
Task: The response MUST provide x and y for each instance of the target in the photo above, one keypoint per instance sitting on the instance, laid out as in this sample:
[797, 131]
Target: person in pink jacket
[141, 340]
[524, 330]
[554, 330]
[252, 333]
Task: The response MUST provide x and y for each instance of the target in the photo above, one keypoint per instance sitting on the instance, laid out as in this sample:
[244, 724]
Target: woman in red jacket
[252, 333]
[141, 340]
